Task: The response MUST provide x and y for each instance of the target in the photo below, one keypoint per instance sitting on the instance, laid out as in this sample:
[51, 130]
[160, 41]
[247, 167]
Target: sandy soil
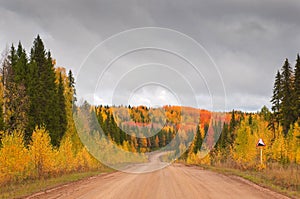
[175, 181]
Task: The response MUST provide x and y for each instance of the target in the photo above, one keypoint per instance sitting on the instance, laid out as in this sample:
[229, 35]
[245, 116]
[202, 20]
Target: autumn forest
[39, 139]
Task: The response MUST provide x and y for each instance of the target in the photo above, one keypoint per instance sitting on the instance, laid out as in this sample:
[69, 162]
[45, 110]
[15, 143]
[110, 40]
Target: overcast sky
[247, 42]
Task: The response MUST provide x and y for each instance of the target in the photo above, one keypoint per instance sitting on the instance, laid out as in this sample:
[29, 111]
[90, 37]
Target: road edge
[62, 185]
[276, 190]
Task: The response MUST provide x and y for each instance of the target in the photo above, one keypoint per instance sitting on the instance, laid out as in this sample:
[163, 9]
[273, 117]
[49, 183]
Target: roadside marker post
[261, 144]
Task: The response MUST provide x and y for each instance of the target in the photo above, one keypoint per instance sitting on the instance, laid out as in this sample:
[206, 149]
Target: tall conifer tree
[198, 141]
[43, 92]
[287, 98]
[297, 88]
[277, 98]
[62, 115]
[15, 97]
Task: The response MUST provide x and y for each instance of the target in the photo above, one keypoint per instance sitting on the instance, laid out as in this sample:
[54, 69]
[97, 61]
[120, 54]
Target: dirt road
[175, 181]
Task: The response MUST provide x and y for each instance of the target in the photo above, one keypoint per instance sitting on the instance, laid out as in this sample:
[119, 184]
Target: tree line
[140, 140]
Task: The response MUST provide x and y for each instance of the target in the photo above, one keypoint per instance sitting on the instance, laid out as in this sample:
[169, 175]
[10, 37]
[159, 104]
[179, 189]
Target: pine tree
[277, 98]
[287, 100]
[72, 85]
[8, 87]
[52, 107]
[1, 118]
[62, 115]
[31, 96]
[38, 101]
[33, 91]
[297, 88]
[21, 99]
[232, 125]
[15, 96]
[43, 92]
[250, 120]
[223, 143]
[198, 141]
[6, 70]
[20, 68]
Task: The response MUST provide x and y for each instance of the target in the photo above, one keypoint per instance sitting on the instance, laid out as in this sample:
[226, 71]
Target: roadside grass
[25, 188]
[276, 178]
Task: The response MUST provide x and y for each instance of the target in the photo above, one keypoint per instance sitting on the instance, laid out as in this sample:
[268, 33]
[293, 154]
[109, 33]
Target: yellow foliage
[84, 160]
[297, 142]
[14, 158]
[298, 156]
[42, 154]
[204, 160]
[245, 151]
[191, 158]
[65, 157]
[40, 160]
[200, 158]
[126, 146]
[279, 152]
[293, 143]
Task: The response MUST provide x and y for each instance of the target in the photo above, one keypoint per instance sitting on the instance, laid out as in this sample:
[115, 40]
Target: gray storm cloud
[248, 40]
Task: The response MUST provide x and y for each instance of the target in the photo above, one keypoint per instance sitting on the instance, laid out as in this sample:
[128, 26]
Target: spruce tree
[250, 120]
[277, 98]
[43, 92]
[1, 118]
[62, 115]
[198, 141]
[52, 107]
[7, 79]
[297, 88]
[287, 98]
[232, 125]
[20, 68]
[72, 84]
[15, 97]
[38, 100]
[33, 90]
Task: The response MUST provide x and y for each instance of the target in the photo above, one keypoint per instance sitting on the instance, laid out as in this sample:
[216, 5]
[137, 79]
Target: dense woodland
[34, 92]
[39, 138]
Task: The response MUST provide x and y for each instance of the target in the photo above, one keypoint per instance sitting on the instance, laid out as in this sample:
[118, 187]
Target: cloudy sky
[243, 44]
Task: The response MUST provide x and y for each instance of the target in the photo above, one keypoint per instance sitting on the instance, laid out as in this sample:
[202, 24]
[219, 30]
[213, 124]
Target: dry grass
[284, 179]
[18, 190]
[287, 177]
